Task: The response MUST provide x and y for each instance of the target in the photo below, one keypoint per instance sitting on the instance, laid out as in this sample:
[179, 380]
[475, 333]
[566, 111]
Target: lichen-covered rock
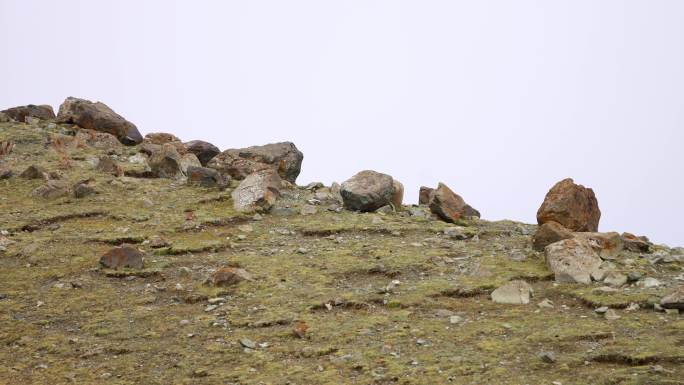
[108, 165]
[470, 212]
[548, 233]
[122, 257]
[398, 196]
[573, 206]
[514, 293]
[101, 140]
[155, 140]
[205, 177]
[204, 151]
[572, 260]
[446, 204]
[367, 191]
[284, 158]
[229, 276]
[20, 113]
[636, 244]
[258, 192]
[189, 160]
[99, 117]
[82, 190]
[424, 195]
[674, 300]
[166, 162]
[607, 245]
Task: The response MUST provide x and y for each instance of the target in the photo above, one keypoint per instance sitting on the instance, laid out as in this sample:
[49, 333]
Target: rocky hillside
[147, 260]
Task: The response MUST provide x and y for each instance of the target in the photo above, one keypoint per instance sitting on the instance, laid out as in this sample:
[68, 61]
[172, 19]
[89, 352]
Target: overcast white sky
[498, 99]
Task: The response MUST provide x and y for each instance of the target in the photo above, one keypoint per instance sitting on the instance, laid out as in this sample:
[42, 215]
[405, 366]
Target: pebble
[210, 308]
[216, 300]
[248, 343]
[302, 250]
[548, 357]
[455, 319]
[611, 315]
[649, 283]
[601, 310]
[547, 303]
[184, 322]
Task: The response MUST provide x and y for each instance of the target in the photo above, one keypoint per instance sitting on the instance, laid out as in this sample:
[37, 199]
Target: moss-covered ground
[388, 299]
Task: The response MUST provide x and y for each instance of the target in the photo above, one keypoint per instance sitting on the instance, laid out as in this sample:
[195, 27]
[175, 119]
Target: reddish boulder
[446, 204]
[548, 233]
[122, 257]
[424, 195]
[636, 244]
[573, 206]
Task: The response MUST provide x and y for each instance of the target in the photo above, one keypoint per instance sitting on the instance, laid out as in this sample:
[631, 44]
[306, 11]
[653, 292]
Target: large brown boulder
[19, 114]
[424, 195]
[398, 196]
[258, 192]
[99, 117]
[204, 151]
[548, 233]
[284, 158]
[367, 191]
[446, 204]
[572, 260]
[573, 206]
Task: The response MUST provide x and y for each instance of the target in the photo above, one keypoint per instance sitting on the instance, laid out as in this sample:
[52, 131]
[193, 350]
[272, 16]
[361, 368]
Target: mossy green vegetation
[387, 298]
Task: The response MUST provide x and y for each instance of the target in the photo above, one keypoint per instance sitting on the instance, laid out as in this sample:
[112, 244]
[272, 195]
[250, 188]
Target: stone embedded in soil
[514, 293]
[572, 260]
[83, 189]
[108, 165]
[573, 206]
[166, 162]
[122, 257]
[229, 276]
[674, 299]
[367, 191]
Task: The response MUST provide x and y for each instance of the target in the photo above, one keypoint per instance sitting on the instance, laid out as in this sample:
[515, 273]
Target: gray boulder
[572, 260]
[367, 191]
[257, 192]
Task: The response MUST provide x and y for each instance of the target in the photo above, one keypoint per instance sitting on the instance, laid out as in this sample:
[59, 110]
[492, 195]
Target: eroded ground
[388, 299]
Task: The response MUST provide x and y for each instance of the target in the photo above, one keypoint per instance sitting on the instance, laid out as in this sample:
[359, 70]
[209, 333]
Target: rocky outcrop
[19, 114]
[367, 191]
[446, 204]
[122, 257]
[99, 117]
[204, 151]
[572, 260]
[284, 158]
[573, 206]
[548, 233]
[258, 192]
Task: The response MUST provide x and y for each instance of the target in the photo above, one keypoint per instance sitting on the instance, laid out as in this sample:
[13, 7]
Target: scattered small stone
[611, 315]
[601, 310]
[455, 319]
[649, 282]
[247, 343]
[545, 303]
[229, 276]
[548, 357]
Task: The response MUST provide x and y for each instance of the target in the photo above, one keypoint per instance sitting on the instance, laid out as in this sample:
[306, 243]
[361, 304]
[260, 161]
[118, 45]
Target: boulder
[284, 158]
[573, 206]
[607, 245]
[674, 300]
[424, 195]
[83, 189]
[108, 165]
[398, 196]
[258, 192]
[122, 257]
[367, 191]
[189, 160]
[470, 212]
[446, 204]
[572, 260]
[636, 244]
[548, 233]
[205, 177]
[20, 114]
[204, 151]
[99, 117]
[229, 276]
[34, 172]
[50, 190]
[514, 293]
[153, 141]
[166, 162]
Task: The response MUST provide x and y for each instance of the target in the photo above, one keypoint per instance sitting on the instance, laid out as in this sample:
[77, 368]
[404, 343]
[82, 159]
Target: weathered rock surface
[108, 165]
[258, 192]
[446, 204]
[51, 189]
[155, 140]
[99, 117]
[83, 189]
[515, 293]
[573, 206]
[34, 172]
[205, 177]
[398, 195]
[284, 158]
[572, 260]
[44, 112]
[122, 257]
[470, 211]
[229, 276]
[548, 233]
[637, 244]
[674, 300]
[367, 191]
[607, 245]
[204, 151]
[101, 140]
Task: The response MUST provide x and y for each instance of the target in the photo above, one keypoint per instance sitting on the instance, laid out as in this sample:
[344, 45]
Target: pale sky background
[498, 99]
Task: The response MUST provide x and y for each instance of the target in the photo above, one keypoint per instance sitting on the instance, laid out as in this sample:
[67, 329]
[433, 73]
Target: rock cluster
[284, 158]
[445, 203]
